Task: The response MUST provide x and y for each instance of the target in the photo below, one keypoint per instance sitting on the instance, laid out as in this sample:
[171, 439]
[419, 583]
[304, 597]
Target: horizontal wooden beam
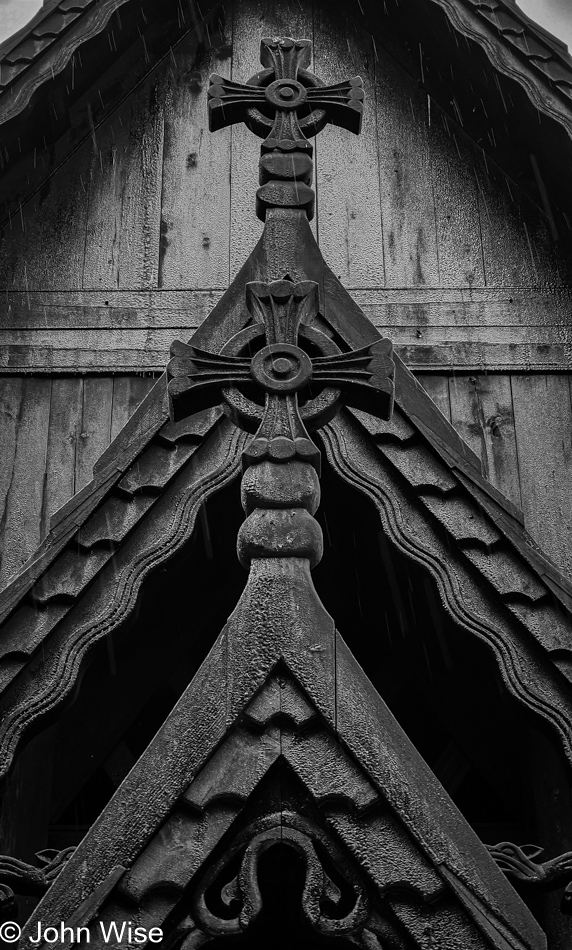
[433, 329]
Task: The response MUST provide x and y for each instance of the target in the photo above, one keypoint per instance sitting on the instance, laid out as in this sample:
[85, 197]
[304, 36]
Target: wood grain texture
[195, 203]
[455, 193]
[435, 329]
[517, 247]
[128, 393]
[543, 424]
[438, 389]
[95, 428]
[52, 432]
[10, 411]
[482, 413]
[408, 208]
[43, 247]
[63, 437]
[123, 223]
[23, 503]
[349, 210]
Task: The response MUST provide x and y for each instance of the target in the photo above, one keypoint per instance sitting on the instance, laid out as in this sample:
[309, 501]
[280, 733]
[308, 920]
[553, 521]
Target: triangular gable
[435, 507]
[103, 541]
[373, 796]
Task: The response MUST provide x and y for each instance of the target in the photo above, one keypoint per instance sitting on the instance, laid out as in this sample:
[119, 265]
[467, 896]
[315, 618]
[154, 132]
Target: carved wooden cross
[285, 104]
[299, 390]
[287, 110]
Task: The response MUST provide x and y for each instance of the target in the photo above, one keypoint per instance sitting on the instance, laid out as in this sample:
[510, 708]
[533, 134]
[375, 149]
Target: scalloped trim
[58, 681]
[533, 685]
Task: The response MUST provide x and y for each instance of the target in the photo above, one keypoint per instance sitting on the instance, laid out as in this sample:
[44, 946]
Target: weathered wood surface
[195, 204]
[355, 252]
[123, 222]
[521, 428]
[135, 237]
[52, 432]
[433, 328]
[153, 199]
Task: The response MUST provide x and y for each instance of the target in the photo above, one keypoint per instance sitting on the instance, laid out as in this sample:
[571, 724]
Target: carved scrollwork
[518, 864]
[17, 877]
[283, 880]
[323, 906]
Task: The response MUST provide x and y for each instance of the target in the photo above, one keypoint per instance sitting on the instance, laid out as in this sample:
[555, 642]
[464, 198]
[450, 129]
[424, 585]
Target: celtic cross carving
[285, 104]
[284, 373]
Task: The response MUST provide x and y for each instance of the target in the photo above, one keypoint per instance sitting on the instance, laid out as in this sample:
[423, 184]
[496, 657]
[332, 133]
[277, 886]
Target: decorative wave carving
[466, 599]
[214, 466]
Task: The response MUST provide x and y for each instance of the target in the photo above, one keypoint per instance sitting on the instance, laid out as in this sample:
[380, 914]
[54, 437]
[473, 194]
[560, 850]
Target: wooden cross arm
[366, 377]
[229, 102]
[342, 103]
[197, 377]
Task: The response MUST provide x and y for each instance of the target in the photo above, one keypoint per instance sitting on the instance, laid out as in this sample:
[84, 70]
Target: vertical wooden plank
[23, 510]
[63, 436]
[11, 401]
[438, 388]
[195, 216]
[543, 421]
[253, 20]
[482, 413]
[43, 247]
[459, 241]
[347, 176]
[407, 203]
[518, 250]
[95, 428]
[124, 215]
[128, 393]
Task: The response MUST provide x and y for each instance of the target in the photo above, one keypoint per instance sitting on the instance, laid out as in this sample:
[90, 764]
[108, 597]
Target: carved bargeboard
[284, 749]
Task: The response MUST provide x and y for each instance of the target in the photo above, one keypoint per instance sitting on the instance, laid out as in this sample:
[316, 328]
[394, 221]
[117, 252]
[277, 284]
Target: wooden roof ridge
[42, 49]
[38, 52]
[83, 579]
[538, 52]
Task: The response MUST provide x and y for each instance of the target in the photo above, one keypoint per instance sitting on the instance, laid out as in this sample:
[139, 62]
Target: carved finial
[285, 105]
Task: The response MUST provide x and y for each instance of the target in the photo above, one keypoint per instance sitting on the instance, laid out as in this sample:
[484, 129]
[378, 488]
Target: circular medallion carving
[286, 94]
[281, 368]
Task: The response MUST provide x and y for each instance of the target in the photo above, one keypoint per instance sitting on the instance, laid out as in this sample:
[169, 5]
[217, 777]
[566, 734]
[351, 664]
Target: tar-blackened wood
[130, 244]
[34, 770]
